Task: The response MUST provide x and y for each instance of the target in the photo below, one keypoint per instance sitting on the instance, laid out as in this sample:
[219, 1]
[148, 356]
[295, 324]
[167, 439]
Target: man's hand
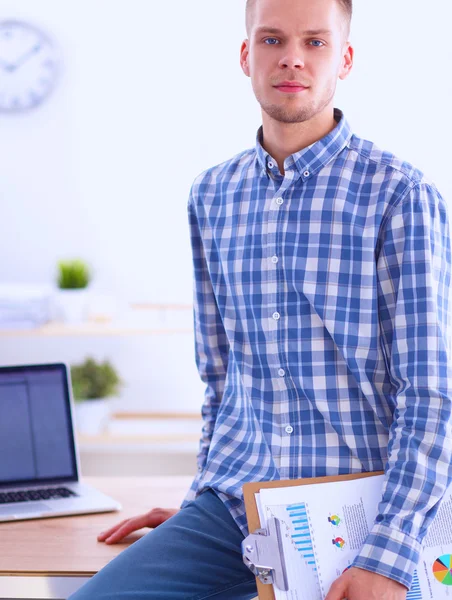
[153, 518]
[358, 584]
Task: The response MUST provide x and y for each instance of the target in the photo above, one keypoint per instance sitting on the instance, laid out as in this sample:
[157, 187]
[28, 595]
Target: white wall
[103, 169]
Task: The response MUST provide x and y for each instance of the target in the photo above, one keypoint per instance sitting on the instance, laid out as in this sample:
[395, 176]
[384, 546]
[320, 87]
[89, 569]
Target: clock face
[28, 66]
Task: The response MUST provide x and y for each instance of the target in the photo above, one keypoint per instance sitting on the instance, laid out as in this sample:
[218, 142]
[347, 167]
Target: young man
[322, 269]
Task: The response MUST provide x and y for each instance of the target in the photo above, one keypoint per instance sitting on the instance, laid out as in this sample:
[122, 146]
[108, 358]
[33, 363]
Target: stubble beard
[284, 113]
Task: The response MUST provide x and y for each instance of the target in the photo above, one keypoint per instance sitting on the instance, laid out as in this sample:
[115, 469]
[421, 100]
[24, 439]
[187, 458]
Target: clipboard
[265, 543]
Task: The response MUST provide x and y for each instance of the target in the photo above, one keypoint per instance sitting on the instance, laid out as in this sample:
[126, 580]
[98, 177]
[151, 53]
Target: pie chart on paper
[442, 569]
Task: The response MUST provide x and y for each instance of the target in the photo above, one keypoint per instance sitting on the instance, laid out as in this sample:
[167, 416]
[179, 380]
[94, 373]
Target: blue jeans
[195, 554]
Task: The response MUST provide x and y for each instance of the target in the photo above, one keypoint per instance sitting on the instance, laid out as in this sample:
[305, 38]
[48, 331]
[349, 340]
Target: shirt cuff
[390, 553]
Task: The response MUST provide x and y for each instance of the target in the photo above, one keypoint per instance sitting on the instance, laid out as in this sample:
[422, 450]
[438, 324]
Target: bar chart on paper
[415, 590]
[302, 534]
[297, 528]
[299, 552]
[303, 540]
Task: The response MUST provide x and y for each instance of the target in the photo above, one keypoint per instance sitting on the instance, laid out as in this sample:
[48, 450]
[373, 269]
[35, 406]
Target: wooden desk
[49, 559]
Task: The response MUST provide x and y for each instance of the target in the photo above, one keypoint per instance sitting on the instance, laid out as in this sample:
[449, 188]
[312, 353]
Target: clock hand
[25, 57]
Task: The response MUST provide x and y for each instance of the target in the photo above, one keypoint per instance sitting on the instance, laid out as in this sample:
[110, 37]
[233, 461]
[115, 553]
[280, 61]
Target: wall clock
[28, 66]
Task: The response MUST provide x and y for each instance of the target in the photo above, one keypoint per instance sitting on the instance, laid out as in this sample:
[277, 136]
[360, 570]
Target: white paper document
[324, 526]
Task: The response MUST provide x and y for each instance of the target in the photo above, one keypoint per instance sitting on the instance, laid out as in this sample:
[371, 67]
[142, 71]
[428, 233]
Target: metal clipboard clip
[263, 554]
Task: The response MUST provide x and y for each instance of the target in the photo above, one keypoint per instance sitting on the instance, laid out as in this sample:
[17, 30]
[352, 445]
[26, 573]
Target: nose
[292, 58]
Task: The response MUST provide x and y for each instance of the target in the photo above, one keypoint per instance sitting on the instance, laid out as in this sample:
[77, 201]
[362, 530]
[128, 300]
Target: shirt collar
[312, 158]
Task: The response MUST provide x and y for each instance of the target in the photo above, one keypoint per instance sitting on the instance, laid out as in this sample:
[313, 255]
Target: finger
[108, 532]
[337, 591]
[128, 527]
[146, 520]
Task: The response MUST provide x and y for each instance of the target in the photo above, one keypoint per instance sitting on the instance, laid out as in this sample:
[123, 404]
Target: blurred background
[108, 112]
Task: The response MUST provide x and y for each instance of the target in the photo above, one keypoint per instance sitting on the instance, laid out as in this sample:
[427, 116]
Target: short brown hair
[346, 5]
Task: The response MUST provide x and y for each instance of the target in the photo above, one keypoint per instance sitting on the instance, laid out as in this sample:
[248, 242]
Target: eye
[267, 39]
[320, 42]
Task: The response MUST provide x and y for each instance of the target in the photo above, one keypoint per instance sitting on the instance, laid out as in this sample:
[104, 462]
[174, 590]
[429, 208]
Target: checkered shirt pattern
[323, 331]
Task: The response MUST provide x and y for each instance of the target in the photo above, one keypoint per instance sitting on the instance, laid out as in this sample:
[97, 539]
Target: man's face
[316, 60]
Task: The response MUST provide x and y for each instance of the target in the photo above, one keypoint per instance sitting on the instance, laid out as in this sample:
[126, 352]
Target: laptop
[39, 461]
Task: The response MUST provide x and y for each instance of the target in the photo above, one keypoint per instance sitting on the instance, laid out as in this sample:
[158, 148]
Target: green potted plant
[94, 385]
[73, 279]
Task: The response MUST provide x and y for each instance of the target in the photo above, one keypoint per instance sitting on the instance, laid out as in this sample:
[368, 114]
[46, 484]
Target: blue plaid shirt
[323, 331]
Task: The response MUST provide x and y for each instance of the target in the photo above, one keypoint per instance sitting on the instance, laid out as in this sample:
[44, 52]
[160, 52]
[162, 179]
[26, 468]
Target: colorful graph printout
[308, 512]
[442, 569]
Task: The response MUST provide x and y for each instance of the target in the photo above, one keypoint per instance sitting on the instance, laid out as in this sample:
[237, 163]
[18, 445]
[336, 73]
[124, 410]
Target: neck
[281, 140]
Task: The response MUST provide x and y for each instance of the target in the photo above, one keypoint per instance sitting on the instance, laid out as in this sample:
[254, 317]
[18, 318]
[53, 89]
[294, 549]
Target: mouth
[290, 89]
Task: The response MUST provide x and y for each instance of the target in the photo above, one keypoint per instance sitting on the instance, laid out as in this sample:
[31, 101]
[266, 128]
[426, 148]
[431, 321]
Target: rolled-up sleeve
[211, 342]
[413, 272]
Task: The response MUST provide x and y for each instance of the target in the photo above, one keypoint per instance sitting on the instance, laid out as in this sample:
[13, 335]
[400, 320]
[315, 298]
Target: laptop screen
[36, 435]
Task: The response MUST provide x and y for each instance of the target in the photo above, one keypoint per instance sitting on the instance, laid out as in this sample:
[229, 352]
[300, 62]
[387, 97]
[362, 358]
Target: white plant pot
[72, 305]
[91, 416]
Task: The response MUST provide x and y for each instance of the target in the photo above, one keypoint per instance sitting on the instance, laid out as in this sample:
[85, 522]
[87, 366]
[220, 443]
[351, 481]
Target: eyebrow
[265, 29]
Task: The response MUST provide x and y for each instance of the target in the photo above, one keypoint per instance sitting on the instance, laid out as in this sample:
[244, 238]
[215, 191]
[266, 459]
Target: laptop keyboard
[36, 494]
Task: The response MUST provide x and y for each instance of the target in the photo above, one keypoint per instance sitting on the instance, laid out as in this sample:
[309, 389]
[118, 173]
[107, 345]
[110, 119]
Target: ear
[347, 61]
[244, 54]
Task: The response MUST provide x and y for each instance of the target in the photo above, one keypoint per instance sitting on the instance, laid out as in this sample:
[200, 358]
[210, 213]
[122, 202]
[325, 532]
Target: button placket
[274, 219]
[270, 323]
[280, 377]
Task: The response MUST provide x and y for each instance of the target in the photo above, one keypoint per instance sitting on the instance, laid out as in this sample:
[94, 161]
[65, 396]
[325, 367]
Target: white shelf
[133, 433]
[138, 319]
[90, 329]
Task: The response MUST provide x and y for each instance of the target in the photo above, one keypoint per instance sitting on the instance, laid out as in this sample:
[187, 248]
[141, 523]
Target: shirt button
[275, 259]
[270, 165]
[281, 372]
[306, 173]
[289, 429]
[276, 316]
[279, 201]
